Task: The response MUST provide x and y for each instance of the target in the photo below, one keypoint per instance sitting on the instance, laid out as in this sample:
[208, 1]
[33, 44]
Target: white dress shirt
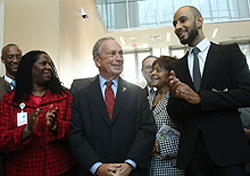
[202, 55]
[9, 80]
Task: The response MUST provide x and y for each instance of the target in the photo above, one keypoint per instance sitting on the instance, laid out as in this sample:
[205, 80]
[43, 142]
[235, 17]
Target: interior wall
[1, 31]
[32, 25]
[77, 37]
[55, 26]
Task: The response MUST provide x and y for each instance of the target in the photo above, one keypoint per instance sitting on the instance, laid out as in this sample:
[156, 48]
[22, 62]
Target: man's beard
[192, 35]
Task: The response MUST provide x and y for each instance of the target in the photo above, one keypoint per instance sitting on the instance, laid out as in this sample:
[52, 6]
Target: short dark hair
[10, 44]
[147, 58]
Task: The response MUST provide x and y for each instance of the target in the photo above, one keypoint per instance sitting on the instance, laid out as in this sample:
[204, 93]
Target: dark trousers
[202, 165]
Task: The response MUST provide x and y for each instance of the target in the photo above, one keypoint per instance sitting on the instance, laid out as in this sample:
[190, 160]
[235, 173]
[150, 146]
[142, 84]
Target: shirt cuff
[131, 162]
[94, 168]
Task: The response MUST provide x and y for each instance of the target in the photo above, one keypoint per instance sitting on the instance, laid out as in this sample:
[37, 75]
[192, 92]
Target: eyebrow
[180, 18]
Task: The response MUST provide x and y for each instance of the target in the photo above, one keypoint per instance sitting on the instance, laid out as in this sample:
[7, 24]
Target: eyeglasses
[147, 67]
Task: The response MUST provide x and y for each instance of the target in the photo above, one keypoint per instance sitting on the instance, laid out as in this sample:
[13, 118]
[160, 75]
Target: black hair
[24, 77]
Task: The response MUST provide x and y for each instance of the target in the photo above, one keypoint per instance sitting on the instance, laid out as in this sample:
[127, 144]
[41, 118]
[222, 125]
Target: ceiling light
[155, 38]
[122, 40]
[214, 33]
[168, 37]
[245, 50]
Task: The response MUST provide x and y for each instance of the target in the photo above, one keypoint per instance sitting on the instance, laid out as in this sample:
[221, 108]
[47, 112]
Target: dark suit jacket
[145, 90]
[80, 83]
[225, 86]
[4, 87]
[129, 135]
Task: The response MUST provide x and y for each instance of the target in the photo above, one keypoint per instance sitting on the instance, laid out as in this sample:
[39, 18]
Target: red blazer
[45, 153]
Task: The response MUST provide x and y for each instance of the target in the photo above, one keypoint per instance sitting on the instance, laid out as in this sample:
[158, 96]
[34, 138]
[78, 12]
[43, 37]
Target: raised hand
[182, 90]
[51, 118]
[30, 128]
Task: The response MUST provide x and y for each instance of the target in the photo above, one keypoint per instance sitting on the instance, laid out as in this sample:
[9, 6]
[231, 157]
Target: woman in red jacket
[34, 120]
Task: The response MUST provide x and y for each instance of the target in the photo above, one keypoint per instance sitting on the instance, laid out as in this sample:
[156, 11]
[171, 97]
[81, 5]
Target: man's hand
[181, 90]
[173, 84]
[124, 170]
[108, 169]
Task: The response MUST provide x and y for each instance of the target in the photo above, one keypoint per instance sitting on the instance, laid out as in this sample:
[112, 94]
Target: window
[132, 66]
[121, 14]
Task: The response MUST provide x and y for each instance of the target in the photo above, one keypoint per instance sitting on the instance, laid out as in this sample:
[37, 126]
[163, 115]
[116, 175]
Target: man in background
[112, 129]
[11, 56]
[146, 69]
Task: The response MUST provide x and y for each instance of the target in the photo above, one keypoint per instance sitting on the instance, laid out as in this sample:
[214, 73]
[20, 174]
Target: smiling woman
[34, 120]
[163, 156]
[42, 71]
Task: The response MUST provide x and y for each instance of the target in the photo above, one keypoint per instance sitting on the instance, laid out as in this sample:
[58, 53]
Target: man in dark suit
[80, 83]
[105, 140]
[207, 101]
[146, 72]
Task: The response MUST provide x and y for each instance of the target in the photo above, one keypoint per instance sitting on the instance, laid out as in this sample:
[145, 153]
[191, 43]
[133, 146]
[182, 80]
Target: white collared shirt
[204, 47]
[9, 80]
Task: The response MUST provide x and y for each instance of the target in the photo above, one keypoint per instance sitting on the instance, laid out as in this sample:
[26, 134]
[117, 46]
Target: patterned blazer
[165, 164]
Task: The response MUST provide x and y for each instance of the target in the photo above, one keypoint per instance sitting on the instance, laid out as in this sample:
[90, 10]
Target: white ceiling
[228, 32]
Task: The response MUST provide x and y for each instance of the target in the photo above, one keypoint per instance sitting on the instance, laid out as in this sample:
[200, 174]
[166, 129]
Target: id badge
[22, 118]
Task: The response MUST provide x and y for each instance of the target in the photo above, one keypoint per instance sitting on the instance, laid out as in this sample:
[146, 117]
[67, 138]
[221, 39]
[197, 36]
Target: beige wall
[57, 27]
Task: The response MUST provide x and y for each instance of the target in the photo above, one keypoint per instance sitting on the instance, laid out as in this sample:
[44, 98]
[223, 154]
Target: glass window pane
[147, 13]
[246, 51]
[129, 73]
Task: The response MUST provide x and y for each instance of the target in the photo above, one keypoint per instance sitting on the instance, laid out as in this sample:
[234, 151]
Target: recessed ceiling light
[214, 33]
[122, 40]
[168, 37]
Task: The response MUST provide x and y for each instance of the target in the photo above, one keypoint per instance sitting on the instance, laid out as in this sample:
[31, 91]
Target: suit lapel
[121, 97]
[213, 57]
[183, 73]
[96, 97]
